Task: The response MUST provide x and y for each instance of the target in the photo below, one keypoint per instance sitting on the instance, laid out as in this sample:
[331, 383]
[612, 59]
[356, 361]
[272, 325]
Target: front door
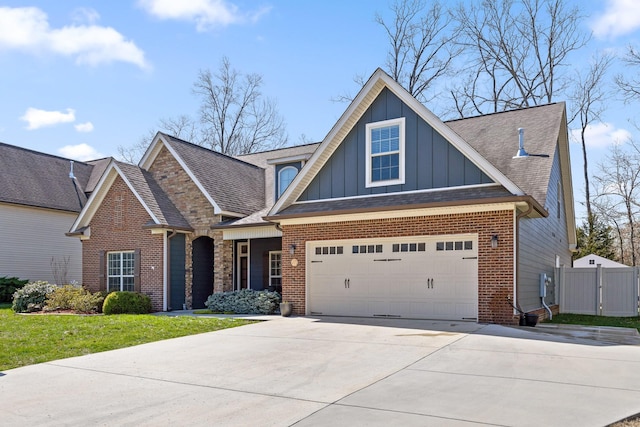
[202, 266]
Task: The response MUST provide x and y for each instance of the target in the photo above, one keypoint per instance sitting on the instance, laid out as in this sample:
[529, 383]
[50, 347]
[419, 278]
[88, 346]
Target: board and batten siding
[541, 239]
[31, 237]
[430, 161]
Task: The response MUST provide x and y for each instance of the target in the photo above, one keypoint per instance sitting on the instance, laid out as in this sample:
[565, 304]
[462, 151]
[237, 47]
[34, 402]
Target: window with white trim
[285, 176]
[385, 152]
[120, 271]
[275, 270]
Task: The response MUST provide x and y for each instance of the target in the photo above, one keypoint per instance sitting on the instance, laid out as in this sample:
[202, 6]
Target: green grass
[30, 339]
[583, 319]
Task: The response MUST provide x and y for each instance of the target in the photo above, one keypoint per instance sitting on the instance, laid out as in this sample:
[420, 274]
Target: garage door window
[466, 245]
[329, 250]
[409, 247]
[366, 249]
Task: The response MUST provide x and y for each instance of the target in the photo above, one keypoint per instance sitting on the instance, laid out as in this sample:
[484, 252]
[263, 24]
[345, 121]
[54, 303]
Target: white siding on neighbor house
[30, 237]
[541, 239]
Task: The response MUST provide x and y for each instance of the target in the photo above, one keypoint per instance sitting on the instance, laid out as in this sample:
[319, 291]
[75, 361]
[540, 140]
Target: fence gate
[599, 291]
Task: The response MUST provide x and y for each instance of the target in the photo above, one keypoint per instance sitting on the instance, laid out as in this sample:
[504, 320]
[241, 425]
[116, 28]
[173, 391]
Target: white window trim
[120, 276]
[369, 127]
[278, 192]
[271, 276]
[239, 256]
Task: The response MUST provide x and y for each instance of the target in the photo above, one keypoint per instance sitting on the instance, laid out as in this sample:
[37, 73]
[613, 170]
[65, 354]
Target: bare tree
[421, 48]
[235, 116]
[183, 127]
[515, 52]
[587, 103]
[618, 183]
[630, 86]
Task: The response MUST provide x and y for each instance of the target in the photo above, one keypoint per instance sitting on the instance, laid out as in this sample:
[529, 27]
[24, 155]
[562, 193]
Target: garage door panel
[420, 277]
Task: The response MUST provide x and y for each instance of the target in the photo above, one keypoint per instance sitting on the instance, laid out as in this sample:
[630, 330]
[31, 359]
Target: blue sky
[79, 78]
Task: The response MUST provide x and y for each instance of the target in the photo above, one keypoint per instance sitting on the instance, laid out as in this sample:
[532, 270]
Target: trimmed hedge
[245, 301]
[125, 302]
[8, 286]
[32, 296]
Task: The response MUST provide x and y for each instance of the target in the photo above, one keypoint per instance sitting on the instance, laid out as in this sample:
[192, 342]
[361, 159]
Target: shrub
[75, 298]
[8, 286]
[32, 296]
[245, 301]
[125, 302]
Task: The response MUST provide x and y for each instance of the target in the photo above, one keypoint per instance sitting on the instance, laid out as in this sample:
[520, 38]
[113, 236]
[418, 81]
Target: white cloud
[207, 14]
[85, 15]
[602, 135]
[84, 127]
[27, 29]
[82, 152]
[620, 17]
[40, 118]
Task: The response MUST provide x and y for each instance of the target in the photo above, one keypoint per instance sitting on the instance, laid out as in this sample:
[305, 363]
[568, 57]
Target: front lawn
[30, 339]
[587, 320]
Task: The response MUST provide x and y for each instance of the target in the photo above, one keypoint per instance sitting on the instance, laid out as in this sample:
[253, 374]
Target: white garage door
[416, 277]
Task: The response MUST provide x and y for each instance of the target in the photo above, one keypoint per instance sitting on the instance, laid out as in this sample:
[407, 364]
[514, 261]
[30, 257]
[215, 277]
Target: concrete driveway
[336, 371]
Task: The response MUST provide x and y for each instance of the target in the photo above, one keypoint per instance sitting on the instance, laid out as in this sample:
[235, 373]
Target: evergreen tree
[598, 242]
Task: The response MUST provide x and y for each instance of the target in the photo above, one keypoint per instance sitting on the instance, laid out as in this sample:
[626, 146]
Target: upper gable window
[385, 153]
[285, 176]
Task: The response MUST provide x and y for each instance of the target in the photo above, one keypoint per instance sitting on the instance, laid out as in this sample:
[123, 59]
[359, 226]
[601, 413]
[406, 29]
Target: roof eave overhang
[372, 88]
[500, 203]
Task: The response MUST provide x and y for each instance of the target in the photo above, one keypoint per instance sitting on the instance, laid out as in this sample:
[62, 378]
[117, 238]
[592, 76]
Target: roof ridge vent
[521, 151]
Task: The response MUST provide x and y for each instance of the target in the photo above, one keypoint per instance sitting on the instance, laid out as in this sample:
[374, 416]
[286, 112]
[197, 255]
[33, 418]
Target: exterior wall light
[292, 248]
[494, 241]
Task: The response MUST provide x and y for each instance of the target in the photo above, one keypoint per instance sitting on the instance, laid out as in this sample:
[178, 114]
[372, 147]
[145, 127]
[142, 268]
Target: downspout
[168, 268]
[517, 236]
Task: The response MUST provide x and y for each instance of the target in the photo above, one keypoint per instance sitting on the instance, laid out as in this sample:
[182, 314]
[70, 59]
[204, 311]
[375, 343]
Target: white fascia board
[98, 194]
[261, 232]
[567, 183]
[135, 193]
[152, 152]
[216, 208]
[452, 137]
[404, 213]
[289, 159]
[352, 114]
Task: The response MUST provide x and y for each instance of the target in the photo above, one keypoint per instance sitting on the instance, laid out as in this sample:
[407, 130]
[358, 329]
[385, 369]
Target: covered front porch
[257, 254]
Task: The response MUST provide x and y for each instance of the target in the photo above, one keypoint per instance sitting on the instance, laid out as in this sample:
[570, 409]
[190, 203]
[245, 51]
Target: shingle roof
[153, 197]
[42, 180]
[235, 185]
[495, 137]
[409, 200]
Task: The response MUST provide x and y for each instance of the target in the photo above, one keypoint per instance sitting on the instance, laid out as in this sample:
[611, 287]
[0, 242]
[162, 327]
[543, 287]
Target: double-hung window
[385, 153]
[120, 271]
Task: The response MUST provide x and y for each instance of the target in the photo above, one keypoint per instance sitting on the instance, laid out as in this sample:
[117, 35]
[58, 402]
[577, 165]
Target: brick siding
[495, 266]
[118, 226]
[199, 212]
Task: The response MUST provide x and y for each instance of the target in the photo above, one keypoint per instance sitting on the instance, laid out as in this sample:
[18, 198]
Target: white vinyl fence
[599, 291]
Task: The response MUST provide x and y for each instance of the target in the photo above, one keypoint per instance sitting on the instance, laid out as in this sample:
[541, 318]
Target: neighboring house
[39, 201]
[394, 214]
[592, 261]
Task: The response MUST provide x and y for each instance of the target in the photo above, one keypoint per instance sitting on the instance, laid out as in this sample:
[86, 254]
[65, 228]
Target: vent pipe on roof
[521, 150]
[71, 175]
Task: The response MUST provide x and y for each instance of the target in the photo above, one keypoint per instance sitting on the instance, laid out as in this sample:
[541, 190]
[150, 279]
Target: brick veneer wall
[117, 226]
[495, 266]
[197, 210]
